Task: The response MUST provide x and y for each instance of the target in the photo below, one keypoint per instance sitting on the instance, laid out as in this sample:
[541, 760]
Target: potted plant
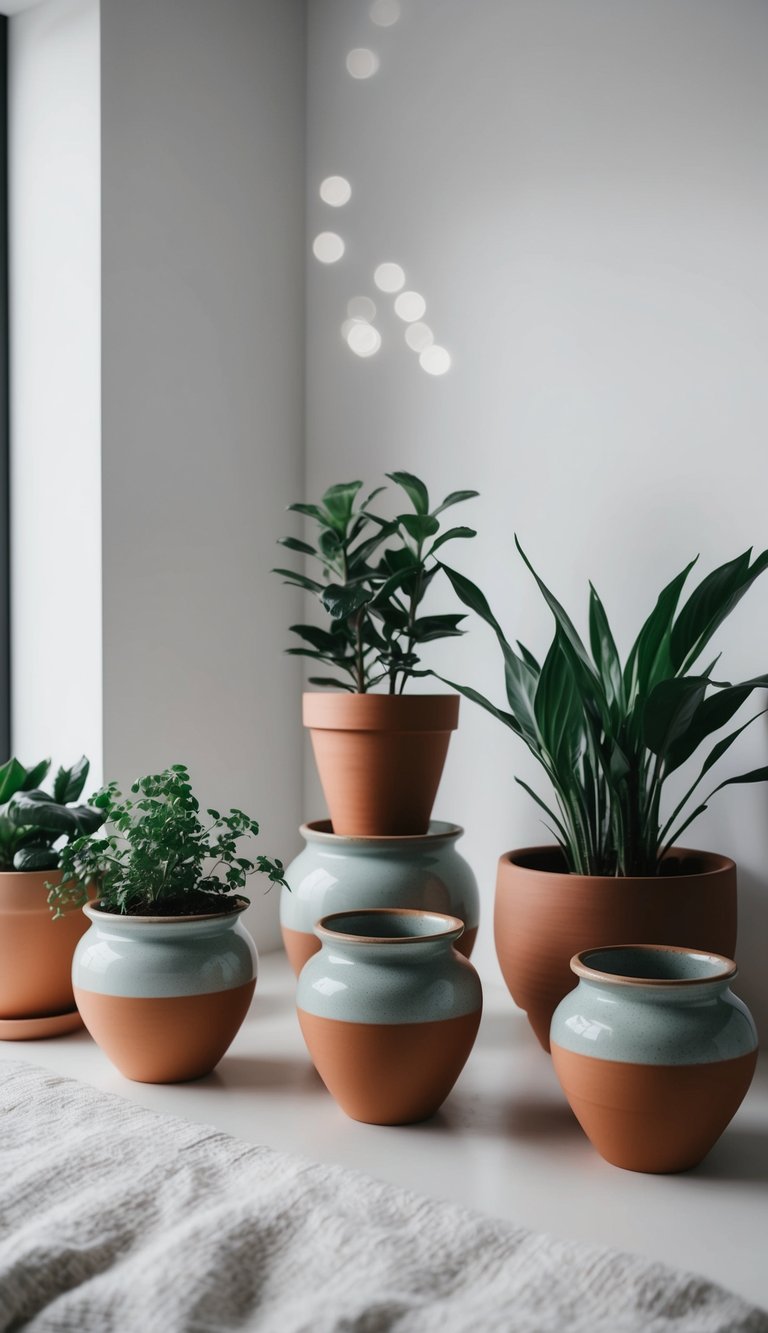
[164, 977]
[36, 997]
[380, 755]
[609, 735]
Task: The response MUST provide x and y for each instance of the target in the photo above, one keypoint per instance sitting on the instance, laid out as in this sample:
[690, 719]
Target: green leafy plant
[370, 576]
[35, 825]
[608, 735]
[158, 857]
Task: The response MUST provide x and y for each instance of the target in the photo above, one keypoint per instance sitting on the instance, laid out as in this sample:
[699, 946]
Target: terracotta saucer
[30, 1029]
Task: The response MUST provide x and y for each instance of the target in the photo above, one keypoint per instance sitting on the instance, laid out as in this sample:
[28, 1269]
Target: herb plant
[35, 824]
[158, 857]
[371, 575]
[609, 736]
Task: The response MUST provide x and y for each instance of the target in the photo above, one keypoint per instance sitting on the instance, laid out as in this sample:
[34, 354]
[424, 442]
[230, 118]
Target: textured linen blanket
[115, 1219]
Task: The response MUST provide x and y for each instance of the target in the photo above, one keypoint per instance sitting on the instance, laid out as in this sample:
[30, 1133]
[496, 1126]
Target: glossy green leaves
[609, 736]
[34, 823]
[371, 575]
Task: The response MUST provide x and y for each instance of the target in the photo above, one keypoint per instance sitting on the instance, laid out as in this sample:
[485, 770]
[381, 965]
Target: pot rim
[128, 918]
[713, 863]
[341, 710]
[580, 966]
[321, 830]
[453, 929]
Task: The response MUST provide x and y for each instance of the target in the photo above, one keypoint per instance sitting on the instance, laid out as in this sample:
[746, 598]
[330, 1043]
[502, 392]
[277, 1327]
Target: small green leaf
[455, 498]
[414, 489]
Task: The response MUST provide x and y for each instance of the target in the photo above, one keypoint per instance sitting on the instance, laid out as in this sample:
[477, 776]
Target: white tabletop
[505, 1141]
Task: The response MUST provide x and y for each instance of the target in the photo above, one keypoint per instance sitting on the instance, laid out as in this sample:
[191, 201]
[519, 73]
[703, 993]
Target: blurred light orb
[410, 306]
[385, 12]
[418, 336]
[361, 307]
[328, 247]
[363, 339]
[346, 326]
[435, 360]
[336, 191]
[362, 63]
[389, 278]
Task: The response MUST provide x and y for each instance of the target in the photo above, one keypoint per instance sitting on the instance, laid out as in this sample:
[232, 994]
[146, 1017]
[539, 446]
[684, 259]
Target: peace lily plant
[380, 752]
[609, 734]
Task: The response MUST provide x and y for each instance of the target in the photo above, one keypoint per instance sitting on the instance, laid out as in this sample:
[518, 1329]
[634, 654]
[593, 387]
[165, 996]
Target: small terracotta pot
[335, 874]
[164, 996]
[654, 1053]
[543, 916]
[380, 758]
[389, 1011]
[35, 951]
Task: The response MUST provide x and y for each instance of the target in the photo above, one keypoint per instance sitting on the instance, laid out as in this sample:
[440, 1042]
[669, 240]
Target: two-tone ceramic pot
[380, 757]
[339, 874]
[389, 1011]
[36, 951]
[164, 996]
[654, 1053]
[543, 916]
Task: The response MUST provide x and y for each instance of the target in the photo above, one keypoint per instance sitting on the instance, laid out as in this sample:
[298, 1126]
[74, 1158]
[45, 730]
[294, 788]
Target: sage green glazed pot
[338, 873]
[389, 1011]
[164, 996]
[654, 1053]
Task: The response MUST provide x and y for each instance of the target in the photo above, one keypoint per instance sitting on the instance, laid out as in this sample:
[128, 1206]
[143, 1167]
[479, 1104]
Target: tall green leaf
[710, 603]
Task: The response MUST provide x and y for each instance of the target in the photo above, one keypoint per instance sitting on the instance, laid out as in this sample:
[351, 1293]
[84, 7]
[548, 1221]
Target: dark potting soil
[192, 904]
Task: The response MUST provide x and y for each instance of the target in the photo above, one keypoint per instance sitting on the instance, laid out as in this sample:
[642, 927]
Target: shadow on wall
[752, 982]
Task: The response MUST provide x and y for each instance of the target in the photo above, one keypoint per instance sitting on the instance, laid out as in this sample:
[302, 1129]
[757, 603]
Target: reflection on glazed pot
[389, 1011]
[654, 1053]
[336, 874]
[164, 996]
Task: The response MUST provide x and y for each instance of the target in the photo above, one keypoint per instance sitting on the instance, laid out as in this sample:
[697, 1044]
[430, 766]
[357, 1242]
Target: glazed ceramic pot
[543, 916]
[654, 1053]
[35, 958]
[389, 1011]
[380, 757]
[164, 996]
[336, 873]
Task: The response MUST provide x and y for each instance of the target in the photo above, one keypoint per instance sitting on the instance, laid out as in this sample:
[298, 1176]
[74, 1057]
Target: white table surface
[505, 1141]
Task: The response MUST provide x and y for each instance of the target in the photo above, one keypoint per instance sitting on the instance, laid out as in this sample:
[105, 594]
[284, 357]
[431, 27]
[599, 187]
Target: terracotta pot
[389, 1011]
[543, 916]
[380, 758]
[336, 873]
[35, 951]
[164, 996]
[654, 1053]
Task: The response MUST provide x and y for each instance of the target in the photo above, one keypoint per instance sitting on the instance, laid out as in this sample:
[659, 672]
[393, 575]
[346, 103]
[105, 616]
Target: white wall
[55, 381]
[203, 189]
[578, 188]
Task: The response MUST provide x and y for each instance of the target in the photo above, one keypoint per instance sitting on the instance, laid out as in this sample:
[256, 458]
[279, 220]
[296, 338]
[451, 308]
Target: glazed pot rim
[453, 929]
[580, 966]
[127, 918]
[712, 863]
[439, 830]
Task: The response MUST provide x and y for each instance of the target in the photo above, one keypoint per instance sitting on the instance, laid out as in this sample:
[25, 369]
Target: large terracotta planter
[380, 758]
[164, 996]
[389, 1011]
[336, 873]
[654, 1053]
[543, 916]
[35, 958]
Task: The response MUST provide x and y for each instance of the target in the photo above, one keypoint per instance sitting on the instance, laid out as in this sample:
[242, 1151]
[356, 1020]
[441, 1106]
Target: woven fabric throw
[114, 1219]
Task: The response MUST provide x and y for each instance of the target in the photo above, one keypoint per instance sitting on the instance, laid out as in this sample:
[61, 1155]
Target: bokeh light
[362, 63]
[336, 191]
[328, 247]
[389, 277]
[435, 360]
[385, 12]
[410, 306]
[363, 339]
[418, 336]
